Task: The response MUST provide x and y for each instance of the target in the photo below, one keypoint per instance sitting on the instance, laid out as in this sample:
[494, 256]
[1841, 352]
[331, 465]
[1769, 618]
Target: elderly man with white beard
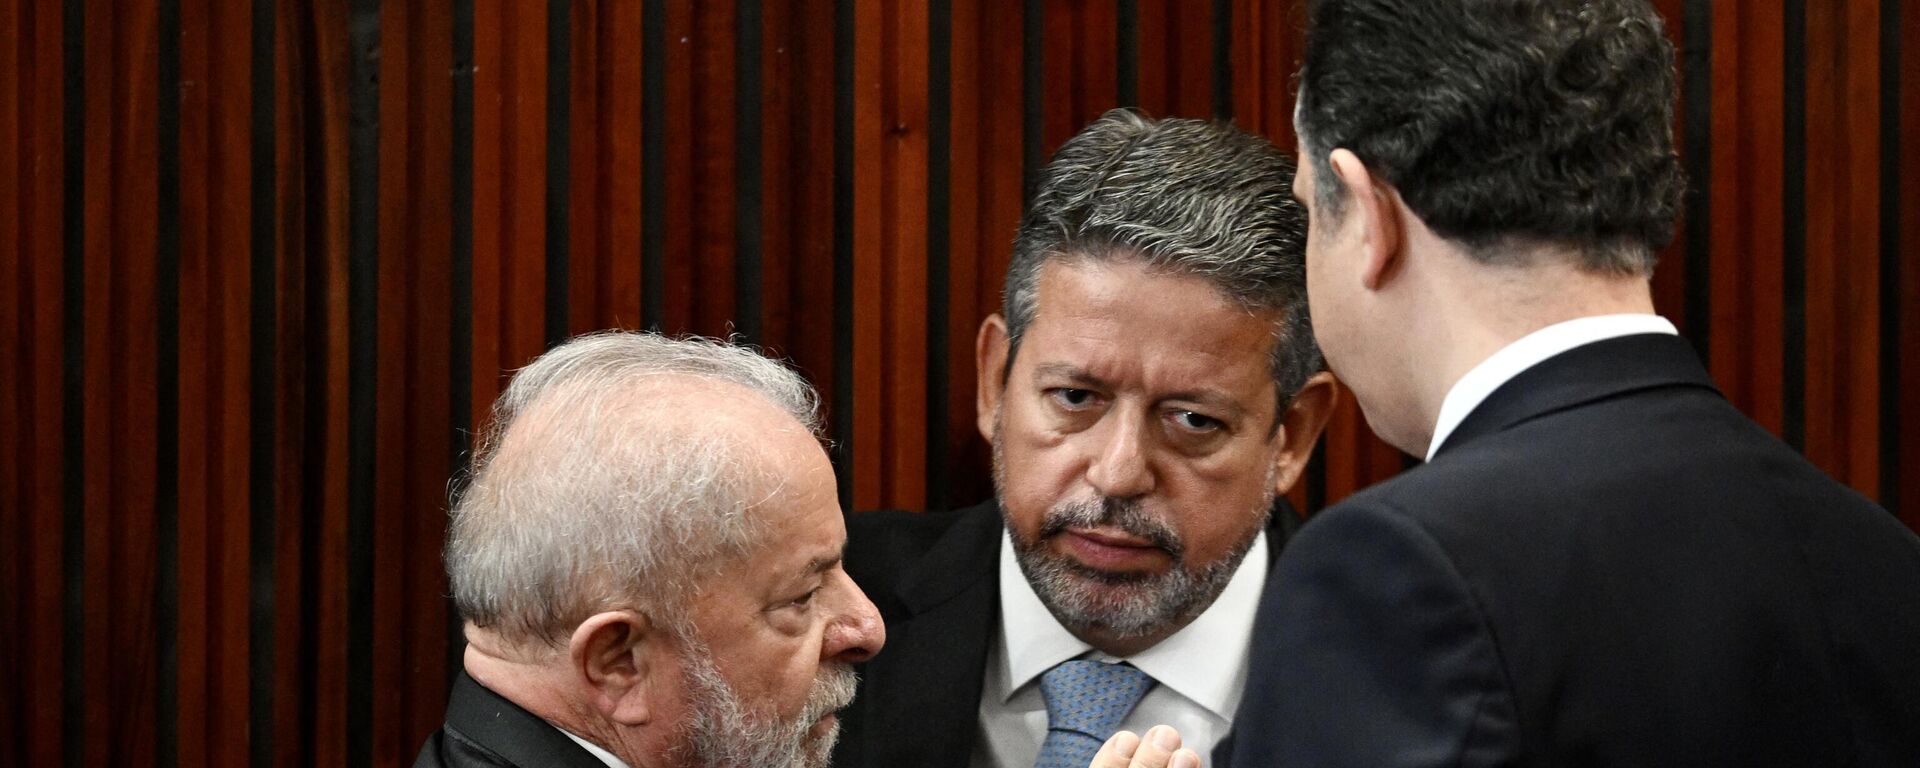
[647, 559]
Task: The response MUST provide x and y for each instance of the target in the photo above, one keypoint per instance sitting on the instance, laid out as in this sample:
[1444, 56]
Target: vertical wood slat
[413, 355]
[1268, 40]
[1176, 58]
[509, 195]
[889, 261]
[32, 191]
[317, 246]
[604, 211]
[14, 332]
[1748, 99]
[214, 489]
[1080, 61]
[1842, 224]
[120, 418]
[984, 200]
[700, 130]
[1906, 322]
[796, 138]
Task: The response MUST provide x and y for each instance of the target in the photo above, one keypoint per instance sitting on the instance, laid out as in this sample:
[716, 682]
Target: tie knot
[1092, 697]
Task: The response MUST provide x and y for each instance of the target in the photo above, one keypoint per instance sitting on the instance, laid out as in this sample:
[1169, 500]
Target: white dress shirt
[1198, 672]
[1526, 352]
[595, 750]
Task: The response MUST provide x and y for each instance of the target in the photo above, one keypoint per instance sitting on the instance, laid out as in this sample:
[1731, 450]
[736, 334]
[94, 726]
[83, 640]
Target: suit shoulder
[884, 547]
[890, 534]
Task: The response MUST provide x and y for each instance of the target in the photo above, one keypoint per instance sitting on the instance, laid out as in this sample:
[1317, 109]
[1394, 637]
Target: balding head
[620, 469]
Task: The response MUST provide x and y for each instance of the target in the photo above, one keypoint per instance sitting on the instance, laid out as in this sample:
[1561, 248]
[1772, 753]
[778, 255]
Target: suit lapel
[1582, 375]
[929, 676]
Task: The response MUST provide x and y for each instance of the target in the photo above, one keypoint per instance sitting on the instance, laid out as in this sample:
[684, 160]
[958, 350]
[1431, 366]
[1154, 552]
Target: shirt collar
[1526, 352]
[1205, 661]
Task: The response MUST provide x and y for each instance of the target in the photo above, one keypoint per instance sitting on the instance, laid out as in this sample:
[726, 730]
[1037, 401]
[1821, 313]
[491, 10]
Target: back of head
[1503, 122]
[605, 482]
[1186, 196]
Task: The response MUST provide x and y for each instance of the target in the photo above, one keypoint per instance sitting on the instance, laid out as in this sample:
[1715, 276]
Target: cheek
[1036, 471]
[775, 670]
[1221, 502]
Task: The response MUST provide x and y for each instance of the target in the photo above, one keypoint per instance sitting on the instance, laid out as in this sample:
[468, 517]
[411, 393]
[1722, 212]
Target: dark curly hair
[1502, 122]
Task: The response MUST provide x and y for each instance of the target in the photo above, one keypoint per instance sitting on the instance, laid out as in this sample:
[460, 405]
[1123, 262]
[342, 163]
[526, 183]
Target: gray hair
[1185, 196]
[614, 494]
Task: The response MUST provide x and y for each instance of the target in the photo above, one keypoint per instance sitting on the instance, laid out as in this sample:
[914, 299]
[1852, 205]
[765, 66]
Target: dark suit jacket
[935, 579]
[1606, 564]
[485, 729]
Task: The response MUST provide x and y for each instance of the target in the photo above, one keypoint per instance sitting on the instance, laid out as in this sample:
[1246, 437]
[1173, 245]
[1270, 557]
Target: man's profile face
[776, 633]
[1135, 443]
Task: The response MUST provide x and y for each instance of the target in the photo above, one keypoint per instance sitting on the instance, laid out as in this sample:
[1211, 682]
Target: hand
[1161, 749]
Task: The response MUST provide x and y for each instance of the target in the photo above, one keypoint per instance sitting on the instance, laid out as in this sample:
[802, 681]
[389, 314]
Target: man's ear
[1300, 428]
[617, 655]
[990, 368]
[1373, 207]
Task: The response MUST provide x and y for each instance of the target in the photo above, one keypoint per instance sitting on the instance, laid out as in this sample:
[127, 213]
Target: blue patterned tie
[1086, 701]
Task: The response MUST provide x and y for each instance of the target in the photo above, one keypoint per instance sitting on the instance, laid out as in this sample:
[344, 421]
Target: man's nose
[857, 633]
[1119, 467]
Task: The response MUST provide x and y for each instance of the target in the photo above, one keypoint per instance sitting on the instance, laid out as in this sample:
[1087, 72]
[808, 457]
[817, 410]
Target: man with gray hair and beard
[1150, 391]
[648, 560]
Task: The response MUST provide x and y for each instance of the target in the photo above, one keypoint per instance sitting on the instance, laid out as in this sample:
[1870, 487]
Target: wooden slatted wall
[264, 265]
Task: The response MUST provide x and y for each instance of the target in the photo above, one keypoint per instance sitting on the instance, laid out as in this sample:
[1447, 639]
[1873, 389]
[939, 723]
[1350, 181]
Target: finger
[1185, 758]
[1157, 748]
[1117, 751]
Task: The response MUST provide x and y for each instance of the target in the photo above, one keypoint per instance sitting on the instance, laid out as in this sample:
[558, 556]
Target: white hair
[612, 491]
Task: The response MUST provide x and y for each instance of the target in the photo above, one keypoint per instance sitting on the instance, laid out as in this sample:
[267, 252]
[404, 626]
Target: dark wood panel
[933, 170]
[890, 254]
[415, 308]
[31, 193]
[509, 193]
[1176, 59]
[796, 145]
[1268, 40]
[213, 644]
[14, 330]
[984, 199]
[1748, 176]
[604, 210]
[1906, 423]
[1843, 228]
[120, 419]
[1080, 65]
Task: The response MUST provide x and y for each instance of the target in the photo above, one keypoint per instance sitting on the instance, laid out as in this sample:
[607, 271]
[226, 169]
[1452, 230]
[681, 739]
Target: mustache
[832, 691]
[1125, 514]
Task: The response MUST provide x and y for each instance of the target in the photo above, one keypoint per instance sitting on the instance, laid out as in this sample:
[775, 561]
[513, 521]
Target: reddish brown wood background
[264, 265]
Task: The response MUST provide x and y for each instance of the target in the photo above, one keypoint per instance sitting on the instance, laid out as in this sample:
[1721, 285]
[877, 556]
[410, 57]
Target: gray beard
[723, 732]
[1126, 605]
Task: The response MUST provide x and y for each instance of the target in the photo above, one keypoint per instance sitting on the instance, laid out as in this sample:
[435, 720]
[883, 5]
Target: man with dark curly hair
[1603, 562]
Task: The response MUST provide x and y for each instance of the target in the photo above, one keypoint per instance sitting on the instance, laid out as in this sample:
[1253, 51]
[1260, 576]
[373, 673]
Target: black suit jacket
[484, 729]
[1606, 564]
[935, 578]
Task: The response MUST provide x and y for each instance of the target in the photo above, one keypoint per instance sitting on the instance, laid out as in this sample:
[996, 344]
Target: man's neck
[1480, 309]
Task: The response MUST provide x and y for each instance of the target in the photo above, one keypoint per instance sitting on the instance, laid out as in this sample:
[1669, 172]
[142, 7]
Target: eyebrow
[824, 564]
[1068, 372]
